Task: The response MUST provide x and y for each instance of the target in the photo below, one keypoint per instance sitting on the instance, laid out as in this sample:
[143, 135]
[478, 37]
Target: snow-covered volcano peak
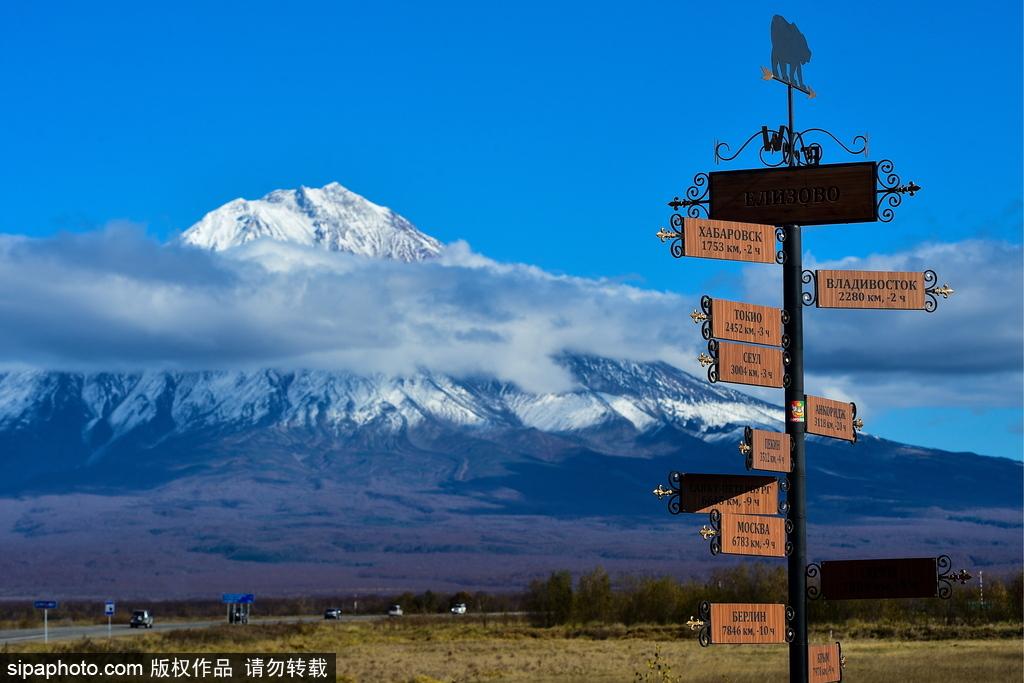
[331, 217]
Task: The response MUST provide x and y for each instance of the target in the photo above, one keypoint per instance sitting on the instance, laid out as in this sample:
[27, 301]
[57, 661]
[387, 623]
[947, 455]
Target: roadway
[98, 631]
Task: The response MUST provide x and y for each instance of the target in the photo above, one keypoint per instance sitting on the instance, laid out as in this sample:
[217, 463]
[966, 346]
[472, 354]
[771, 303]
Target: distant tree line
[593, 597]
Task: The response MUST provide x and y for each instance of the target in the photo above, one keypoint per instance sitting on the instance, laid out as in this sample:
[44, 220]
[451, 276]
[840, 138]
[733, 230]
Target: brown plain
[749, 494]
[746, 322]
[746, 364]
[823, 664]
[753, 535]
[826, 417]
[740, 622]
[771, 451]
[729, 240]
[849, 289]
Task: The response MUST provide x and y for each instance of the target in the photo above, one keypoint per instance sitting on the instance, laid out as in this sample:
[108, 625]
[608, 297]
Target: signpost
[730, 240]
[825, 663]
[869, 289]
[740, 215]
[735, 534]
[46, 606]
[760, 366]
[766, 450]
[910, 577]
[741, 322]
[836, 419]
[748, 494]
[108, 610]
[808, 195]
[743, 623]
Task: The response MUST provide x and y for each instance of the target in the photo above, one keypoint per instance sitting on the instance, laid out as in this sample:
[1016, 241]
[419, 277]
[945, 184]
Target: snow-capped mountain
[331, 217]
[143, 410]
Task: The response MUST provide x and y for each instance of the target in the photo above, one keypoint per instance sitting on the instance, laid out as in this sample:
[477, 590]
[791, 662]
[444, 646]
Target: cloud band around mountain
[115, 299]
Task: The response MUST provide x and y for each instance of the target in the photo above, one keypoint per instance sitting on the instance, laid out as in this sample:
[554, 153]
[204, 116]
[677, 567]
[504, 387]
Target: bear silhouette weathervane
[789, 54]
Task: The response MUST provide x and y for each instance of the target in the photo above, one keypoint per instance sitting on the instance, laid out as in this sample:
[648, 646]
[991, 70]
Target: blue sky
[543, 133]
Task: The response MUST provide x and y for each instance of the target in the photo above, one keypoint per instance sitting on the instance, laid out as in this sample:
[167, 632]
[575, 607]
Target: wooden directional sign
[750, 494]
[826, 417]
[911, 577]
[869, 289]
[751, 535]
[746, 322]
[804, 195]
[728, 240]
[747, 623]
[747, 364]
[824, 663]
[767, 450]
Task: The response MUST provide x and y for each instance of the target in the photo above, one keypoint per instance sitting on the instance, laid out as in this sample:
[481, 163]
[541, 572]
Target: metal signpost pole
[46, 627]
[792, 298]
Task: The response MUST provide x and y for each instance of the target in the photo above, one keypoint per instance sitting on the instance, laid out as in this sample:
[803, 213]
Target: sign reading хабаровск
[802, 195]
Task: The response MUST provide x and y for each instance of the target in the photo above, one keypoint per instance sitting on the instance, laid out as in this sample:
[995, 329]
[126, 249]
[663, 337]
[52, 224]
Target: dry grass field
[430, 650]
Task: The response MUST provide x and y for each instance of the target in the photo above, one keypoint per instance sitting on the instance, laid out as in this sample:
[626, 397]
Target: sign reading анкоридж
[739, 622]
[800, 195]
[750, 494]
[869, 289]
[728, 240]
[746, 322]
[826, 417]
[752, 535]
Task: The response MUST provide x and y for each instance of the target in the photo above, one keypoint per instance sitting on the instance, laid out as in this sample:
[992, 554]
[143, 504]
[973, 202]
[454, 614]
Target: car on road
[395, 611]
[141, 618]
[332, 613]
[459, 608]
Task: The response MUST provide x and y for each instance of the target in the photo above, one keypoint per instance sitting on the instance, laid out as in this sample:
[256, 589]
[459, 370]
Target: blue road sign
[45, 604]
[239, 598]
[108, 608]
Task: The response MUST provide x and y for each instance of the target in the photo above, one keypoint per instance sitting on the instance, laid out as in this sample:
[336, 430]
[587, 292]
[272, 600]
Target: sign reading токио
[803, 195]
[870, 289]
[746, 322]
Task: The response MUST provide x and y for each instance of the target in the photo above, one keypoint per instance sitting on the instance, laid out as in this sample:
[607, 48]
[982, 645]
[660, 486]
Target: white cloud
[114, 299]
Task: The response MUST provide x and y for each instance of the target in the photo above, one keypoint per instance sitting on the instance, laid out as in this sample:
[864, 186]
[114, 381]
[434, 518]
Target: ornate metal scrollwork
[891, 190]
[747, 447]
[709, 360]
[789, 529]
[704, 316]
[810, 298]
[855, 420]
[932, 292]
[944, 579]
[671, 493]
[790, 616]
[696, 198]
[713, 531]
[704, 633]
[780, 236]
[799, 146]
[675, 234]
[813, 574]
